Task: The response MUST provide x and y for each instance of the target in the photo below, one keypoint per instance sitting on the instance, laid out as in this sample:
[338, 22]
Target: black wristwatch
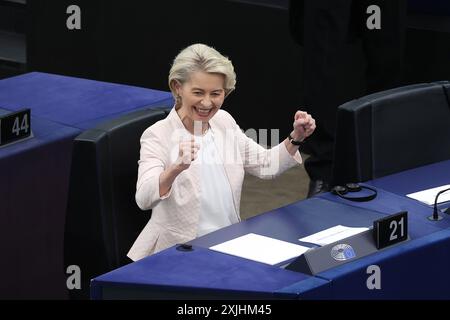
[294, 142]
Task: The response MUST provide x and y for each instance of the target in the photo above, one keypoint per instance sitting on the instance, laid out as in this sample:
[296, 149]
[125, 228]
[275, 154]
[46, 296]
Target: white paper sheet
[428, 196]
[331, 235]
[261, 248]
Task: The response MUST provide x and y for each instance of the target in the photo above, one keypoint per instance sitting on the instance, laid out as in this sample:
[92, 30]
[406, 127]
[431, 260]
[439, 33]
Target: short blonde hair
[200, 57]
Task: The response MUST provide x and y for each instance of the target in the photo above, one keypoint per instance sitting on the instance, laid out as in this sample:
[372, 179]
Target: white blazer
[175, 216]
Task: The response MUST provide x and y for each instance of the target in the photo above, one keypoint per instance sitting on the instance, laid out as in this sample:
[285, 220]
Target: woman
[192, 163]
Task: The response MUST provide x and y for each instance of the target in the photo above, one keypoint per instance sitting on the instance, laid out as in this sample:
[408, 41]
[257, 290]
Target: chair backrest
[392, 131]
[102, 218]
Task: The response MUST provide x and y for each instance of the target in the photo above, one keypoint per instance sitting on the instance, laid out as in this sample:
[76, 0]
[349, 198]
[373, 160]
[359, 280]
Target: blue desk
[75, 102]
[295, 221]
[417, 269]
[34, 174]
[205, 273]
[417, 179]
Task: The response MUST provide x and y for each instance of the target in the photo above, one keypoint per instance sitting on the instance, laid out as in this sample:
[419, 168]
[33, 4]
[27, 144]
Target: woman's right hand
[187, 154]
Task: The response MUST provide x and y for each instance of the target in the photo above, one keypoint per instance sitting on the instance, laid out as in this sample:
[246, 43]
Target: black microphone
[436, 216]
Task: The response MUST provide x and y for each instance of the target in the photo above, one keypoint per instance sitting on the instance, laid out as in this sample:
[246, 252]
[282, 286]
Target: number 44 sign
[15, 126]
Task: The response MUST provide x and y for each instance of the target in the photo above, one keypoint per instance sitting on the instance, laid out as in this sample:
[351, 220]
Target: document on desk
[428, 196]
[261, 248]
[333, 234]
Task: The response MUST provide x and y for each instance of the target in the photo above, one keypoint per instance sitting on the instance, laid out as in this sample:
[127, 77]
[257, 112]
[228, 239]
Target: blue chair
[103, 219]
[392, 131]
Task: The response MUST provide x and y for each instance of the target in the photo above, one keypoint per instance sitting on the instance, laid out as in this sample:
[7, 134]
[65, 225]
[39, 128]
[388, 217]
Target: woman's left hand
[304, 125]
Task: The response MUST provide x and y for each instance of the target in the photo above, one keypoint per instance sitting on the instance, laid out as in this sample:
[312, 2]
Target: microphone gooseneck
[436, 216]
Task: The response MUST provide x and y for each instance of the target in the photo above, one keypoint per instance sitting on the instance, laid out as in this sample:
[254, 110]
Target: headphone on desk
[341, 191]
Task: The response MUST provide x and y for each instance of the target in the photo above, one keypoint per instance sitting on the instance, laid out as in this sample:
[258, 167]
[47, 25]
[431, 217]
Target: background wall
[134, 42]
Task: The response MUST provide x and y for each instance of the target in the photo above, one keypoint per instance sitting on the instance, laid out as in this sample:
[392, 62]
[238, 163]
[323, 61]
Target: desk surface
[75, 102]
[390, 203]
[171, 272]
[200, 273]
[295, 221]
[403, 266]
[417, 179]
[411, 270]
[203, 270]
[44, 132]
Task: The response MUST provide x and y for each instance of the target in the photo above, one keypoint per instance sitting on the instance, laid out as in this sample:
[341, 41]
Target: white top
[216, 200]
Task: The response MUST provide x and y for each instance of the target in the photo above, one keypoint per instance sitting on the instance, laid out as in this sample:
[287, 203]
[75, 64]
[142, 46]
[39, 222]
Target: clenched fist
[186, 154]
[304, 125]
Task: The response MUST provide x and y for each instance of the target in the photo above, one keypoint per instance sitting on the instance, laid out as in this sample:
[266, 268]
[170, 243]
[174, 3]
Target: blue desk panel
[295, 221]
[402, 266]
[75, 102]
[244, 278]
[416, 269]
[390, 203]
[203, 274]
[34, 175]
[417, 179]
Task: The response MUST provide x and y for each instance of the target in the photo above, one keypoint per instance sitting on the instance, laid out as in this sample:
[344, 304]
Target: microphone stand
[436, 216]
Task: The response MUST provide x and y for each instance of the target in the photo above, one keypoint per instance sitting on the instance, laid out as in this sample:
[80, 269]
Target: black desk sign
[15, 126]
[391, 230]
[334, 254]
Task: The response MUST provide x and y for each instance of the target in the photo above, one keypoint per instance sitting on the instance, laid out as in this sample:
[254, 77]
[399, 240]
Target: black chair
[392, 131]
[103, 219]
